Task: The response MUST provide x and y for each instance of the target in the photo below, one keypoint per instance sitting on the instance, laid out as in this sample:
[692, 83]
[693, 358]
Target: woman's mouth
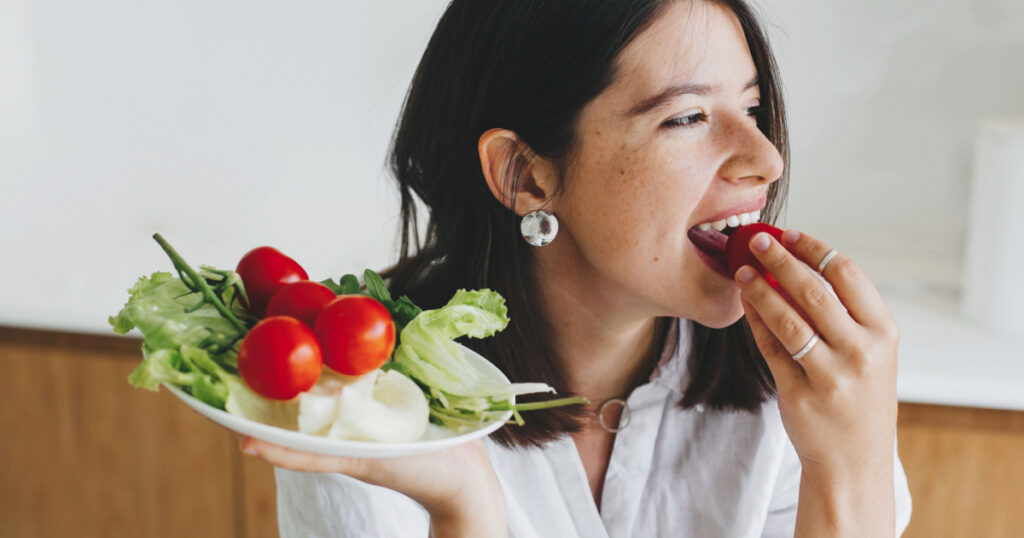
[710, 238]
[710, 247]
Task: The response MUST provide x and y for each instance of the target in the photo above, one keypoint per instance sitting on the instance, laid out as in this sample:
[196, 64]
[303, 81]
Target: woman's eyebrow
[666, 95]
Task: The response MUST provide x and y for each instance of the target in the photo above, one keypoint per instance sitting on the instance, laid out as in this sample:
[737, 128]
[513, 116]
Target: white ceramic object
[436, 437]
[993, 290]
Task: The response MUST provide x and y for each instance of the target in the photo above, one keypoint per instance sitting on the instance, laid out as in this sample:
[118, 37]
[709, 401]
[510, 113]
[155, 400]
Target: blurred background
[226, 125]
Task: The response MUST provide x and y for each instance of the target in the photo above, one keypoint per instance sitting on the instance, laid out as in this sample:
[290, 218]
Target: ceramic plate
[435, 438]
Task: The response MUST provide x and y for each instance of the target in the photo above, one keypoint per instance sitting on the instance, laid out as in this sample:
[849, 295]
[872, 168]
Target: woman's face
[644, 175]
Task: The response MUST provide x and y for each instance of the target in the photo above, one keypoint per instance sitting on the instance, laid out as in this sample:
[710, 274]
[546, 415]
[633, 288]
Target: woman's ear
[501, 151]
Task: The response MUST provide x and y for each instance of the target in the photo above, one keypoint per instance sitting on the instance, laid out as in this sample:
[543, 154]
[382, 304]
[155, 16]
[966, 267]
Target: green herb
[189, 333]
[402, 310]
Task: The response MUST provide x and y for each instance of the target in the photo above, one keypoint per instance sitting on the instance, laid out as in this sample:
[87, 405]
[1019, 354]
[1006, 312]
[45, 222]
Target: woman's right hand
[457, 486]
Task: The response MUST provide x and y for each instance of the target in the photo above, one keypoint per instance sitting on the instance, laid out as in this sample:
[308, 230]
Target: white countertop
[947, 359]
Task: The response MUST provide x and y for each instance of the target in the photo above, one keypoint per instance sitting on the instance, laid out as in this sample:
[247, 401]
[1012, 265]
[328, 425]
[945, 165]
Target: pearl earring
[539, 228]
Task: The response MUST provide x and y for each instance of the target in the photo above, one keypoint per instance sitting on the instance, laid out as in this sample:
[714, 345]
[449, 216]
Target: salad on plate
[340, 367]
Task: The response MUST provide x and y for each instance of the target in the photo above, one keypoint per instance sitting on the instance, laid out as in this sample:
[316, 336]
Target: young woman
[719, 406]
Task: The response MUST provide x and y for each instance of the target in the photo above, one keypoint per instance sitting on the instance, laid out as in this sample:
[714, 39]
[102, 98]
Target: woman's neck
[606, 347]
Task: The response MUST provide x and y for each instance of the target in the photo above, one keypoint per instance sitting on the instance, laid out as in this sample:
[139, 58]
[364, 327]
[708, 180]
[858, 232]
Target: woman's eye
[755, 111]
[685, 121]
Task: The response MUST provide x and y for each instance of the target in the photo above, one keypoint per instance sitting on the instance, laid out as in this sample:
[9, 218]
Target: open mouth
[710, 239]
[710, 245]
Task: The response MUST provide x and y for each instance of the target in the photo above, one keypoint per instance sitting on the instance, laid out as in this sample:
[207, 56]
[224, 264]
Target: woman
[725, 409]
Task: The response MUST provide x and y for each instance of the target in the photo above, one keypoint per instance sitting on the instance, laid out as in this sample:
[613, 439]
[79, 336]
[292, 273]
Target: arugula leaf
[403, 311]
[350, 285]
[375, 287]
[334, 287]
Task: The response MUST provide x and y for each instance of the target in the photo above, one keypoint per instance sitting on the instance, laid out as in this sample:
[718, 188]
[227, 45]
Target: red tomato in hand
[302, 300]
[279, 358]
[737, 249]
[264, 270]
[356, 334]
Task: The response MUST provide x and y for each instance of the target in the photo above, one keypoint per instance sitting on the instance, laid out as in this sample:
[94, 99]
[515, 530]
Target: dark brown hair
[530, 66]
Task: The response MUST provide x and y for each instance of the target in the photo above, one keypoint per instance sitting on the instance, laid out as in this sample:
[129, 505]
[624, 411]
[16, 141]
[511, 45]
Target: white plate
[436, 437]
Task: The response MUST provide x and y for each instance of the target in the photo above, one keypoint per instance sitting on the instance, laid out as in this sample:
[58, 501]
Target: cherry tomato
[302, 300]
[264, 270]
[280, 358]
[356, 334]
[737, 249]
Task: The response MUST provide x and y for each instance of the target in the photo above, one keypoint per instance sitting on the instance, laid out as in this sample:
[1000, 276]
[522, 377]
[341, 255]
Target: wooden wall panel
[83, 454]
[965, 468]
[259, 498]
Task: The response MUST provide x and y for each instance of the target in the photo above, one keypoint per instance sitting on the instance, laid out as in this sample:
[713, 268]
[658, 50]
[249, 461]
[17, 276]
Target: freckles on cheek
[632, 201]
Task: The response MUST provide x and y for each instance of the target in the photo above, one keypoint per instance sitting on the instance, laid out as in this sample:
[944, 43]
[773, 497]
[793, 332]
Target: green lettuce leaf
[461, 396]
[184, 343]
[160, 366]
[158, 306]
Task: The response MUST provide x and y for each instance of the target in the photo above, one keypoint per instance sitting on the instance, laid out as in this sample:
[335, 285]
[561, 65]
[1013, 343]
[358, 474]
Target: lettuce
[461, 396]
[186, 342]
[165, 311]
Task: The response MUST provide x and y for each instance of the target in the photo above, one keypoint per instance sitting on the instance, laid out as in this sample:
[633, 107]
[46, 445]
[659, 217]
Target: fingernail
[745, 274]
[761, 241]
[790, 236]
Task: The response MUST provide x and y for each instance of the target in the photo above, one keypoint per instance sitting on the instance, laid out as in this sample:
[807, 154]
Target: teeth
[740, 219]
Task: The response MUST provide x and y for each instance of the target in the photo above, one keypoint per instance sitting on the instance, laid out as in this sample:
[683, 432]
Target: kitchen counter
[947, 359]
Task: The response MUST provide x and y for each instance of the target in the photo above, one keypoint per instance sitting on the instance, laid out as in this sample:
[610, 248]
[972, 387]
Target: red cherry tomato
[302, 300]
[737, 249]
[356, 334]
[280, 358]
[264, 270]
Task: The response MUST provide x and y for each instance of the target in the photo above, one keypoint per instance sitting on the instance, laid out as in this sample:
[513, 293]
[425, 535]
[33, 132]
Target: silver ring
[807, 347]
[824, 261]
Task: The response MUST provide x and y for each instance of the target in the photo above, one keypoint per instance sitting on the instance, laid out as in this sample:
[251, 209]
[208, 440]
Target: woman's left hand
[838, 402]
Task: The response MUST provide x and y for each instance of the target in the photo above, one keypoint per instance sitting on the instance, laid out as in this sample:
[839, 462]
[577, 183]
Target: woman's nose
[751, 154]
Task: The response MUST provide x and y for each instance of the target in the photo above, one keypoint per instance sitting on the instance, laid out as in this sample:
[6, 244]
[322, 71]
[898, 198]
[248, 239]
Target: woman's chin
[730, 313]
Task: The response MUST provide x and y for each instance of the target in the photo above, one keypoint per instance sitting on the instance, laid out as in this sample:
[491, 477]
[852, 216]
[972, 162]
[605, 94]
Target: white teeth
[740, 219]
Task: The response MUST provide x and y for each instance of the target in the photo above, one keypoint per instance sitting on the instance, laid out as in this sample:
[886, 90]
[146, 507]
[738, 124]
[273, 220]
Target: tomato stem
[195, 281]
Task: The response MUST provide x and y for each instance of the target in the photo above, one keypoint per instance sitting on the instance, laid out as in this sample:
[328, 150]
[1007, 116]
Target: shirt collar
[671, 370]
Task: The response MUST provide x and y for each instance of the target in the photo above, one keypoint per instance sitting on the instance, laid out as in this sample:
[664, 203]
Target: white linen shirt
[672, 472]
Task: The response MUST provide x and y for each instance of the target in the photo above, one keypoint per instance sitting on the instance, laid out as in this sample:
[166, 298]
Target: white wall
[885, 100]
[222, 125]
[226, 125]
